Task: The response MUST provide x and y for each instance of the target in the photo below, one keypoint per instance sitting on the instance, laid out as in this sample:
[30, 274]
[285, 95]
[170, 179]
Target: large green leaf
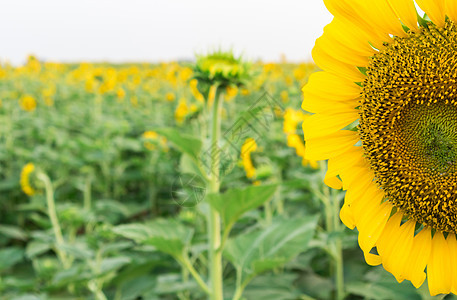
[165, 235]
[263, 250]
[235, 202]
[185, 143]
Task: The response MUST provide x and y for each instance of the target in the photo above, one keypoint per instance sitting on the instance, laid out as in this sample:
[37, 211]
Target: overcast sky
[150, 30]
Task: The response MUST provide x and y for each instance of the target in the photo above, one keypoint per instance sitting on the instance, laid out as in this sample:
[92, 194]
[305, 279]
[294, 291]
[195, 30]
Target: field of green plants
[152, 181]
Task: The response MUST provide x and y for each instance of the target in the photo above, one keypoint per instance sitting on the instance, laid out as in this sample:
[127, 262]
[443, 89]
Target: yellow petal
[329, 146]
[352, 12]
[324, 124]
[347, 217]
[451, 9]
[349, 35]
[382, 17]
[439, 269]
[333, 182]
[371, 225]
[395, 249]
[357, 173]
[335, 48]
[361, 187]
[372, 259]
[452, 242]
[434, 9]
[390, 232]
[332, 85]
[326, 103]
[418, 257]
[344, 163]
[323, 57]
[406, 11]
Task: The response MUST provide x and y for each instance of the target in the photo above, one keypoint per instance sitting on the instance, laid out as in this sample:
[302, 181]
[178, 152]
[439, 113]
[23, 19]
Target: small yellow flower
[231, 92]
[26, 172]
[120, 93]
[245, 92]
[292, 119]
[27, 103]
[170, 97]
[181, 110]
[151, 138]
[249, 146]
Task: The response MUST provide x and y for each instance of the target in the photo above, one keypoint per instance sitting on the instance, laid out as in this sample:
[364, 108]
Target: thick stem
[214, 220]
[54, 220]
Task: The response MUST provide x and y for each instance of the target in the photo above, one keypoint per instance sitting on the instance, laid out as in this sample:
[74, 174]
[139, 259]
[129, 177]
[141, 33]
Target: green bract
[223, 69]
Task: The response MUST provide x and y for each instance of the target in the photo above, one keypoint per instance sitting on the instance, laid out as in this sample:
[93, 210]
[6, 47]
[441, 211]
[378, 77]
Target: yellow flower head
[27, 103]
[26, 186]
[385, 119]
[248, 146]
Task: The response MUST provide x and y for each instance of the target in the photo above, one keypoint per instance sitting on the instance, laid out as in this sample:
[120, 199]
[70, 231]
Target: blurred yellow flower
[27, 103]
[170, 97]
[248, 146]
[120, 93]
[151, 137]
[181, 110]
[26, 186]
[284, 96]
[195, 92]
[231, 92]
[292, 119]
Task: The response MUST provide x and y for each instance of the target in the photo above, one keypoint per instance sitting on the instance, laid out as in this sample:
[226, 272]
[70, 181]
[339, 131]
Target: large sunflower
[385, 117]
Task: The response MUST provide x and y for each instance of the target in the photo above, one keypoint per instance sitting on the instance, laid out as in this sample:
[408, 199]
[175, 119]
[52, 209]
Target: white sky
[150, 30]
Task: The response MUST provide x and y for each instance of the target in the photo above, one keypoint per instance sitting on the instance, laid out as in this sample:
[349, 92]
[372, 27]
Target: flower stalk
[54, 220]
[214, 219]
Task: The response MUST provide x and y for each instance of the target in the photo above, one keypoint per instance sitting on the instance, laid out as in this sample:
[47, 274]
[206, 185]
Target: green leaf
[14, 232]
[273, 287]
[235, 202]
[263, 250]
[113, 263]
[166, 235]
[185, 143]
[36, 248]
[10, 256]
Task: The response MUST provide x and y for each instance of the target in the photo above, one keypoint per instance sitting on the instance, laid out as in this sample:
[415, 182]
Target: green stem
[333, 224]
[339, 271]
[54, 220]
[188, 265]
[214, 219]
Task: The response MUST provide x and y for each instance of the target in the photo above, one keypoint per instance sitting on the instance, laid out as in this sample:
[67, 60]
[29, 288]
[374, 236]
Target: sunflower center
[408, 124]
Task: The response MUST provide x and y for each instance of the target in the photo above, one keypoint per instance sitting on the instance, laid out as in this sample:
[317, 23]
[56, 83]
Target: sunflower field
[178, 180]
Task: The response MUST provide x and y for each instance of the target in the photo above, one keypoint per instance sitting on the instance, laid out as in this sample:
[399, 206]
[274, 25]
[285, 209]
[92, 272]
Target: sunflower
[385, 117]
